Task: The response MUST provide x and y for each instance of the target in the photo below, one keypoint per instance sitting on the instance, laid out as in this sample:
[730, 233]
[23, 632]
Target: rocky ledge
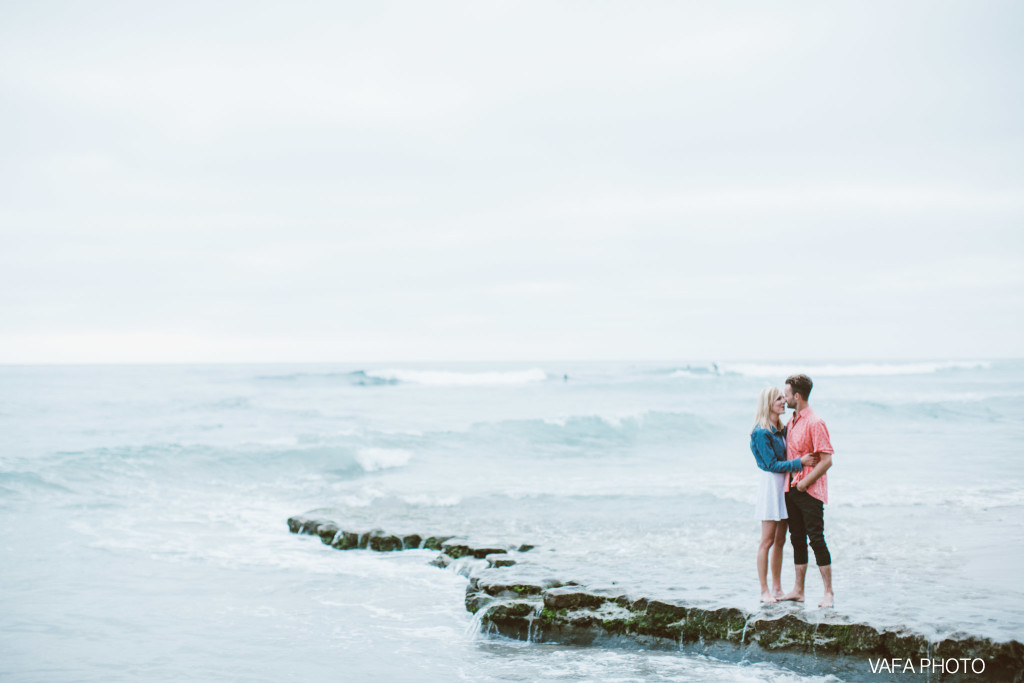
[521, 604]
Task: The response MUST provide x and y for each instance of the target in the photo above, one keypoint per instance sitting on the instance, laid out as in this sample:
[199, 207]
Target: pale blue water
[143, 509]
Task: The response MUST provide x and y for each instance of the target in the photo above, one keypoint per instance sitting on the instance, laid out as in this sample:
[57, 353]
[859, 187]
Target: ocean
[144, 510]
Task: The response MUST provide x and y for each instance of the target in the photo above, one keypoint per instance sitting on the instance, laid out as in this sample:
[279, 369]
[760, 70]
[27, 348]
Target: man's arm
[819, 469]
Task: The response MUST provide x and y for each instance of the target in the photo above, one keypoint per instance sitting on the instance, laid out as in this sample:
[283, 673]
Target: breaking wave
[851, 370]
[373, 459]
[413, 376]
[452, 378]
[357, 377]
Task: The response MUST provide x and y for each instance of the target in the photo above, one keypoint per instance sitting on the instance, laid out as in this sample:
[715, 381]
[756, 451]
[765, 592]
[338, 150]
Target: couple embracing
[794, 487]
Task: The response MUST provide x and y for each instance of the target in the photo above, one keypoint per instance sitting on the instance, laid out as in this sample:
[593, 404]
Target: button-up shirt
[807, 433]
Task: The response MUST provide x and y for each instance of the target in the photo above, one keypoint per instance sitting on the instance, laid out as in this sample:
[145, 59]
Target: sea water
[144, 510]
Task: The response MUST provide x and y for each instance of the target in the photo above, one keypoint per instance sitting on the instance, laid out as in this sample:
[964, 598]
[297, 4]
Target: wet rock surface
[523, 601]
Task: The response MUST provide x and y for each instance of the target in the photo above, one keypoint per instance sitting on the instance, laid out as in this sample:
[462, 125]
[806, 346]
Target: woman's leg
[767, 539]
[777, 547]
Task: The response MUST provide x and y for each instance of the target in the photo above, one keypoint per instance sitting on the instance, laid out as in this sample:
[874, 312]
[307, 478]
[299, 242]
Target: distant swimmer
[565, 378]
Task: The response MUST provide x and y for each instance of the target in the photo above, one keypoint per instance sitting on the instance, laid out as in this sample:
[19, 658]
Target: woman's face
[779, 406]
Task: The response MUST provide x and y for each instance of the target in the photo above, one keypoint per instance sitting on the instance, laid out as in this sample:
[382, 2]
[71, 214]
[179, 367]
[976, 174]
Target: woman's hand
[809, 460]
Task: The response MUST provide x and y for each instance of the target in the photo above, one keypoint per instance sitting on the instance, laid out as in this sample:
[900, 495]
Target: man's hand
[801, 486]
[809, 460]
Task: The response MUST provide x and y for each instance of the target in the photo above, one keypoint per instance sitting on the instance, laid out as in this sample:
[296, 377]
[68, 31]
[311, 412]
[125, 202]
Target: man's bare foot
[766, 596]
[794, 595]
[828, 600]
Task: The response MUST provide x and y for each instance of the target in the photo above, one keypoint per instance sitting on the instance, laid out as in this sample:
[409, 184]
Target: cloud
[508, 180]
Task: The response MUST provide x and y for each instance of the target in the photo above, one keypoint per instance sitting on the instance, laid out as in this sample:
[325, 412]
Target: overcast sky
[386, 181]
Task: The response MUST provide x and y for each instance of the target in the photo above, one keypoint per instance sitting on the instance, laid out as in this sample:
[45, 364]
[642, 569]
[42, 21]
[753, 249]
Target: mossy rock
[905, 645]
[364, 538]
[615, 626]
[500, 560]
[385, 543]
[785, 632]
[346, 540]
[502, 589]
[475, 601]
[435, 542]
[326, 532]
[720, 624]
[638, 605]
[1007, 656]
[411, 541]
[660, 619]
[581, 619]
[511, 610]
[456, 549]
[571, 598]
[309, 526]
[660, 624]
[673, 610]
[442, 561]
[847, 639]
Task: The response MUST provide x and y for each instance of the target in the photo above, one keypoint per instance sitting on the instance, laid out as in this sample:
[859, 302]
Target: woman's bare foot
[828, 600]
[766, 596]
[794, 595]
[777, 592]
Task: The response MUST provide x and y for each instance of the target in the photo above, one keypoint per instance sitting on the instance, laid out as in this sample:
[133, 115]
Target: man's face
[790, 396]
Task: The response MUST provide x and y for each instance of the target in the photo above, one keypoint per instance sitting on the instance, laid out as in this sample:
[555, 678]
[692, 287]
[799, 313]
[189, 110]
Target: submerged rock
[499, 560]
[460, 547]
[441, 561]
[331, 533]
[434, 542]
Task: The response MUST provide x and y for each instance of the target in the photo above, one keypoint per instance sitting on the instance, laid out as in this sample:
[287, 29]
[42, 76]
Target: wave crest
[453, 378]
[358, 377]
[851, 370]
[373, 459]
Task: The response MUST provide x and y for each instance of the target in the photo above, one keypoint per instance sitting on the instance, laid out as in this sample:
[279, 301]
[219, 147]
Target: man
[807, 491]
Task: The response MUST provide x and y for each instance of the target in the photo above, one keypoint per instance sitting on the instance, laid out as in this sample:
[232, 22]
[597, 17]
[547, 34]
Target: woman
[768, 444]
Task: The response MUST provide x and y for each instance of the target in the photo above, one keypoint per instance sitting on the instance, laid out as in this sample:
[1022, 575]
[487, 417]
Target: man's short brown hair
[801, 384]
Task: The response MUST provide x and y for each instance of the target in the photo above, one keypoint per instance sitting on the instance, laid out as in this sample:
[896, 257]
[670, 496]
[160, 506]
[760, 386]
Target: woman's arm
[761, 446]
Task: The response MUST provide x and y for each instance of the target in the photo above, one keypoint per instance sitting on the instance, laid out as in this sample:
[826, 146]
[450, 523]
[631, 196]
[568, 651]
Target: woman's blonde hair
[763, 416]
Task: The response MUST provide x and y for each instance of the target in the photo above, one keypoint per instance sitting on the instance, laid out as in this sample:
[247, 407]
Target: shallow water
[144, 509]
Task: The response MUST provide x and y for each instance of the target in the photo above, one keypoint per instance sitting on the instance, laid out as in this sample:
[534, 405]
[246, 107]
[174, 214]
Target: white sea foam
[432, 501]
[691, 373]
[452, 378]
[359, 499]
[373, 459]
[851, 370]
[698, 371]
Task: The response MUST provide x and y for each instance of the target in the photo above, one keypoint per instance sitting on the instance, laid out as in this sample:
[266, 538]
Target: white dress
[771, 496]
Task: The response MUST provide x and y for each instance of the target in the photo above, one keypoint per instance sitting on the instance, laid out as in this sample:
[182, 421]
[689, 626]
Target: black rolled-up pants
[807, 521]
